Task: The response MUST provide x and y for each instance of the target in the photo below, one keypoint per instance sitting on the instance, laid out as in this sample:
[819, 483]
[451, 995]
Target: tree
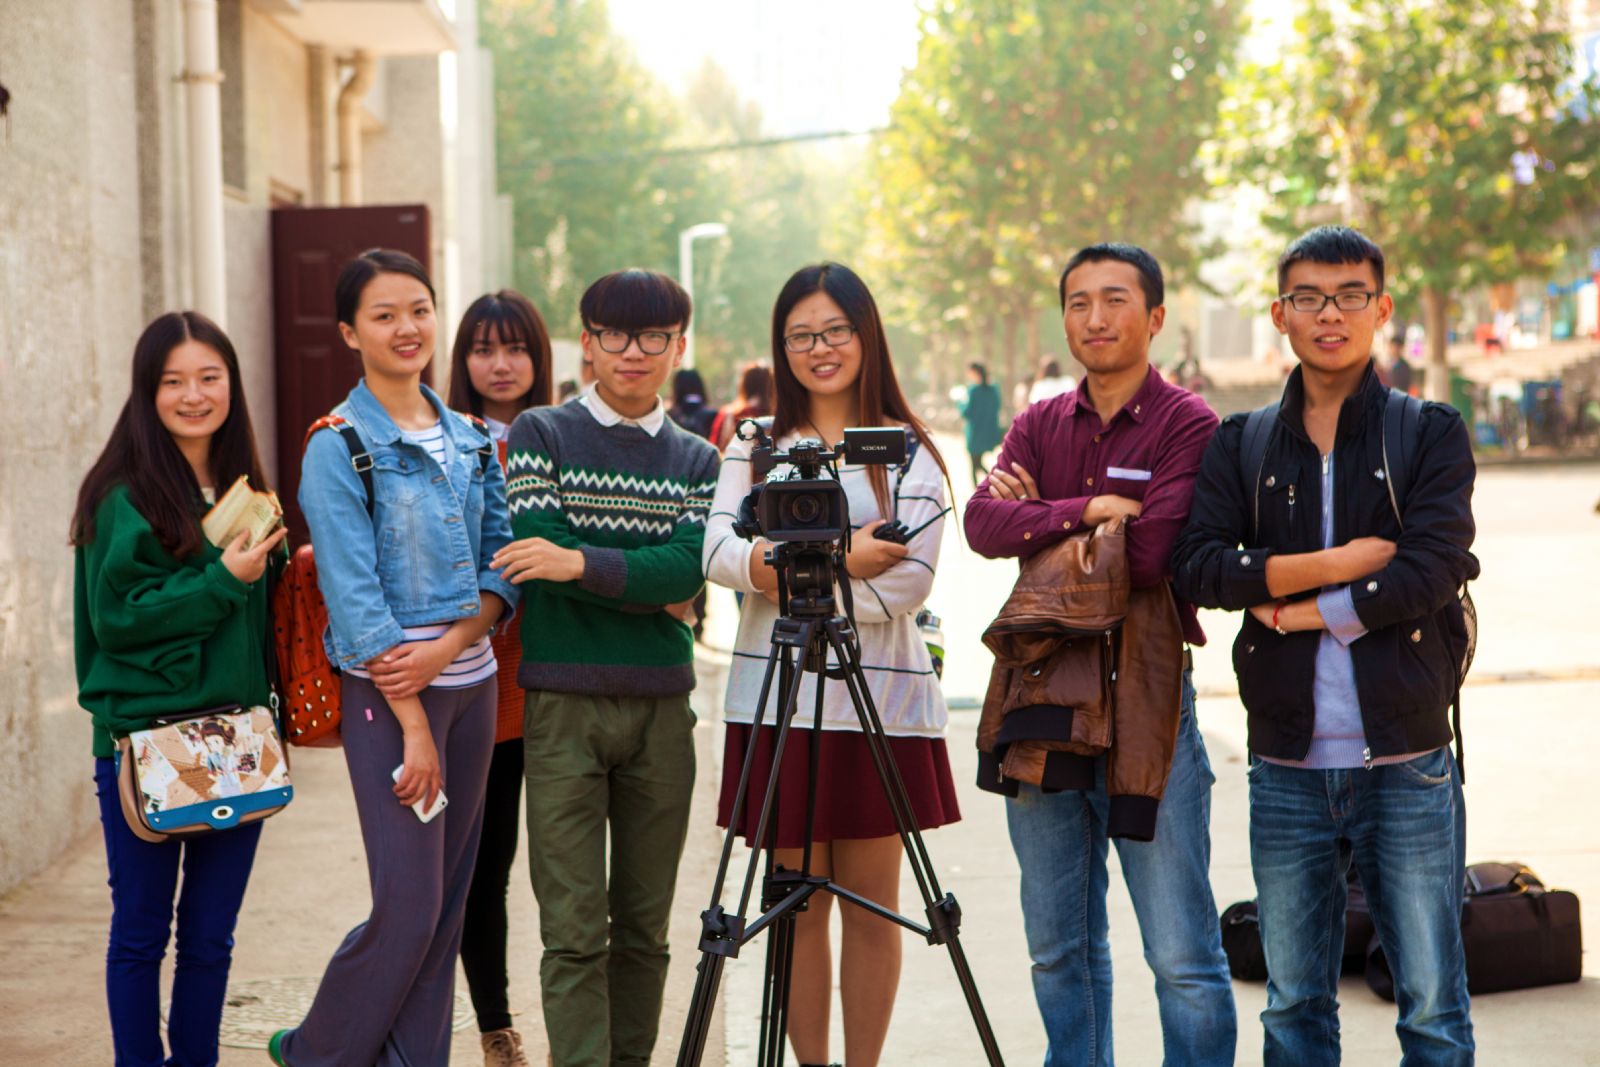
[1028, 128]
[1450, 131]
[583, 137]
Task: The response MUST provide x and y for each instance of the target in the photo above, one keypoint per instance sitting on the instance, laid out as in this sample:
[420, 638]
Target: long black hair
[879, 398]
[514, 320]
[142, 455]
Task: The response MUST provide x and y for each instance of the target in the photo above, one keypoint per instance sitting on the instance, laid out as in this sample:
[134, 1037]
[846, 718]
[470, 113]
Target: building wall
[71, 304]
[94, 242]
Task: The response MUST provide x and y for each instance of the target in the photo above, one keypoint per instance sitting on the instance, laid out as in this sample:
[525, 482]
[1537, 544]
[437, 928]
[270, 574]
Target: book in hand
[242, 509]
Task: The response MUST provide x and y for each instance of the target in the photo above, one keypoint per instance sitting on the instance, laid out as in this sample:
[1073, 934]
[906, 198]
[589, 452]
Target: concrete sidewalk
[1530, 761]
[308, 888]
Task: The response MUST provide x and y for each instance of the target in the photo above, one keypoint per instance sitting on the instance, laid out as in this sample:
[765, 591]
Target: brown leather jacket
[1084, 667]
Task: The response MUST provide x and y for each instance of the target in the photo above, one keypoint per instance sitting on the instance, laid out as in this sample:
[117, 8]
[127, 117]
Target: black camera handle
[784, 893]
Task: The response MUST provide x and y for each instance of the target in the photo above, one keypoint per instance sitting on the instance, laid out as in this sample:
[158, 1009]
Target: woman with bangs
[832, 371]
[499, 367]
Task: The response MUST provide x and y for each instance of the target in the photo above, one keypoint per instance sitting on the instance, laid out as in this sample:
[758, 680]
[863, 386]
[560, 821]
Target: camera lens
[804, 509]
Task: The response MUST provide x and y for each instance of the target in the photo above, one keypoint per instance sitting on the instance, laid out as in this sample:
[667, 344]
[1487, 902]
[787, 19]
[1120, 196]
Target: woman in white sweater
[832, 371]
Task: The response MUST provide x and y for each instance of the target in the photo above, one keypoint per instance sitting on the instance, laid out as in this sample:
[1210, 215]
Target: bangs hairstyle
[1150, 280]
[1333, 245]
[880, 400]
[635, 300]
[357, 273]
[512, 318]
[142, 455]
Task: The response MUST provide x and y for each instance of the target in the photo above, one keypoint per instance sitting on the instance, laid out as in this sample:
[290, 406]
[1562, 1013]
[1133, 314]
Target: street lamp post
[686, 241]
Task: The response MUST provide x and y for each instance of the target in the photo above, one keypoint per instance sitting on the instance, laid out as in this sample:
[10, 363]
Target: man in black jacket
[1348, 659]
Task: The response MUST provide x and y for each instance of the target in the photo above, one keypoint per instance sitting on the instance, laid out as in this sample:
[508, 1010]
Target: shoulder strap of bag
[1402, 441]
[1402, 438]
[360, 458]
[1253, 456]
[913, 443]
[486, 450]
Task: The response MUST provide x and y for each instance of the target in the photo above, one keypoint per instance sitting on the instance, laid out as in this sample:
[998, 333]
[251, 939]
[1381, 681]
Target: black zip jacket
[1406, 666]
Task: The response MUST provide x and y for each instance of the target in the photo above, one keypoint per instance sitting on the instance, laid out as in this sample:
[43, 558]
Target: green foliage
[571, 105]
[603, 168]
[1402, 117]
[1029, 128]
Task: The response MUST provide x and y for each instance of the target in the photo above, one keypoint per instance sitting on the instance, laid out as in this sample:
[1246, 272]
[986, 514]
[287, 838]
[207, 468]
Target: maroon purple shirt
[1150, 452]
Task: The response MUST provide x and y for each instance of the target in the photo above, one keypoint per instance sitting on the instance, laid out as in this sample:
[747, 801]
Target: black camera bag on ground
[1241, 935]
[1517, 934]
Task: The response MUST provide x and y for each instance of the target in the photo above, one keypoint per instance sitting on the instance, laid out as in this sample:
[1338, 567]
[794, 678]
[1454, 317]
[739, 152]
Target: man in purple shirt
[1124, 443]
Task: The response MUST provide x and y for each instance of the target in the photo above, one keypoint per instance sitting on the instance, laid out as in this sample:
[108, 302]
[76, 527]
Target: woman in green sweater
[165, 622]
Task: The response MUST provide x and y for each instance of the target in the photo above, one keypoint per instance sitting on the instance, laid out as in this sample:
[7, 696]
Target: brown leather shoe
[503, 1048]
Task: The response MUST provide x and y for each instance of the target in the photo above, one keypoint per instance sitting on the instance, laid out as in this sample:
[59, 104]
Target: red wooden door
[313, 367]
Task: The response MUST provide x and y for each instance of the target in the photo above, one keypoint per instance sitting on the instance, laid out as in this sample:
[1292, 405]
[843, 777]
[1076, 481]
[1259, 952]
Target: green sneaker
[275, 1048]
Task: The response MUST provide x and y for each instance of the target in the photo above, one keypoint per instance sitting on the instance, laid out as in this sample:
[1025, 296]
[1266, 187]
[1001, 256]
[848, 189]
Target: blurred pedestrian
[753, 402]
[689, 408]
[499, 367]
[980, 410]
[1400, 370]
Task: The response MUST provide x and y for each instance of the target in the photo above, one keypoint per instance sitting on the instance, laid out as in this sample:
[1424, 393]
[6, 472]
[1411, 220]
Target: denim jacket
[423, 556]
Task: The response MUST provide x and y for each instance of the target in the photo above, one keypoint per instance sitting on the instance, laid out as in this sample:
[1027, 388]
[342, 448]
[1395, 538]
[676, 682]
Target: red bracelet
[1275, 611]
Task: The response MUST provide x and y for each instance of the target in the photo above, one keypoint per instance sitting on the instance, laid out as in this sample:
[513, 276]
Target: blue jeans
[1061, 845]
[1404, 826]
[144, 881]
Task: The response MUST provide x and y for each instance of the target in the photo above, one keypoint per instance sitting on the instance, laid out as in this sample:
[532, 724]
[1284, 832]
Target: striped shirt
[476, 662]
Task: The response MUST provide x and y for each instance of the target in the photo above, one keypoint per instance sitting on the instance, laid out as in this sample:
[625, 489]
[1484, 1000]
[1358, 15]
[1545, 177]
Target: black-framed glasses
[805, 340]
[651, 342]
[1313, 303]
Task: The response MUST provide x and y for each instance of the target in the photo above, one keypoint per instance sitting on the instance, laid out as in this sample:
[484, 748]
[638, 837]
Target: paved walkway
[1530, 792]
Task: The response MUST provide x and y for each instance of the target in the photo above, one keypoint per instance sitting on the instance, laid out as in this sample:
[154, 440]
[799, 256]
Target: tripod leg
[944, 915]
[722, 934]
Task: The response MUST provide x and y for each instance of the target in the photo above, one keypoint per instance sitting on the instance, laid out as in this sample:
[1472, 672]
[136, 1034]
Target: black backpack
[1402, 439]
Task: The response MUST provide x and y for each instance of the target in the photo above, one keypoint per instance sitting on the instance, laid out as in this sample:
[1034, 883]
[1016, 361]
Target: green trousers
[595, 763]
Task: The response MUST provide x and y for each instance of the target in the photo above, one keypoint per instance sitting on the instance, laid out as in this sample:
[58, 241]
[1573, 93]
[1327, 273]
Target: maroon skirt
[851, 804]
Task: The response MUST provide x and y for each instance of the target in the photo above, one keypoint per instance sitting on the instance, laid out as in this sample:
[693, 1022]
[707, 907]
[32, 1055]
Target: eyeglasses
[1313, 303]
[651, 342]
[805, 340]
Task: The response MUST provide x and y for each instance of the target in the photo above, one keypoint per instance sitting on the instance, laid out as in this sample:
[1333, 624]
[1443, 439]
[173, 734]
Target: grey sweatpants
[388, 993]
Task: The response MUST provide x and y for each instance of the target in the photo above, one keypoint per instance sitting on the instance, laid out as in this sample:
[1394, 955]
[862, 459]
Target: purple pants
[387, 996]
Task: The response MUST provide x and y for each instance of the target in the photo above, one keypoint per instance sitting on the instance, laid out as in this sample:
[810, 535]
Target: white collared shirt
[605, 415]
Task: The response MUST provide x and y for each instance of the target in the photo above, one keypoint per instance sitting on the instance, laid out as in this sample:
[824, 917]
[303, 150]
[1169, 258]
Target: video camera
[808, 506]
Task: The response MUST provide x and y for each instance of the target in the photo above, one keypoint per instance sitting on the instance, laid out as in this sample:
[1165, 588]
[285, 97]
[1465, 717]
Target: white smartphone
[438, 802]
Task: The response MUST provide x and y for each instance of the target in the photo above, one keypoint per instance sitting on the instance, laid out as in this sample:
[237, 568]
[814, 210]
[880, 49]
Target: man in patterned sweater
[608, 501]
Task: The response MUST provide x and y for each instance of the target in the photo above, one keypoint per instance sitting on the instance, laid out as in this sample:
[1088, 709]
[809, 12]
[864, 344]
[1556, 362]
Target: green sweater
[636, 507]
[153, 635]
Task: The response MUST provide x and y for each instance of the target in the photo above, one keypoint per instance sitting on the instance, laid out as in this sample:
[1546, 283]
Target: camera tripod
[809, 627]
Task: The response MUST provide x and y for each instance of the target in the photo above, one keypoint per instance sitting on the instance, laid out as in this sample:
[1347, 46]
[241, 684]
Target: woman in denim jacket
[411, 600]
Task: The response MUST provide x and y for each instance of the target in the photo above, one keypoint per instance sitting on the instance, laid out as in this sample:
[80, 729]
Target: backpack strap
[1402, 436]
[1402, 440]
[1253, 456]
[360, 458]
[486, 450]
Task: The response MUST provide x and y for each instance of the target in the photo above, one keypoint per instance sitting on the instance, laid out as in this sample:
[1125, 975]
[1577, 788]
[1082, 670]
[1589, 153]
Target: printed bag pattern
[209, 772]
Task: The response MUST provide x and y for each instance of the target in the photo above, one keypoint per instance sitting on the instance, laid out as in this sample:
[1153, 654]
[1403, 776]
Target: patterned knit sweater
[635, 506]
